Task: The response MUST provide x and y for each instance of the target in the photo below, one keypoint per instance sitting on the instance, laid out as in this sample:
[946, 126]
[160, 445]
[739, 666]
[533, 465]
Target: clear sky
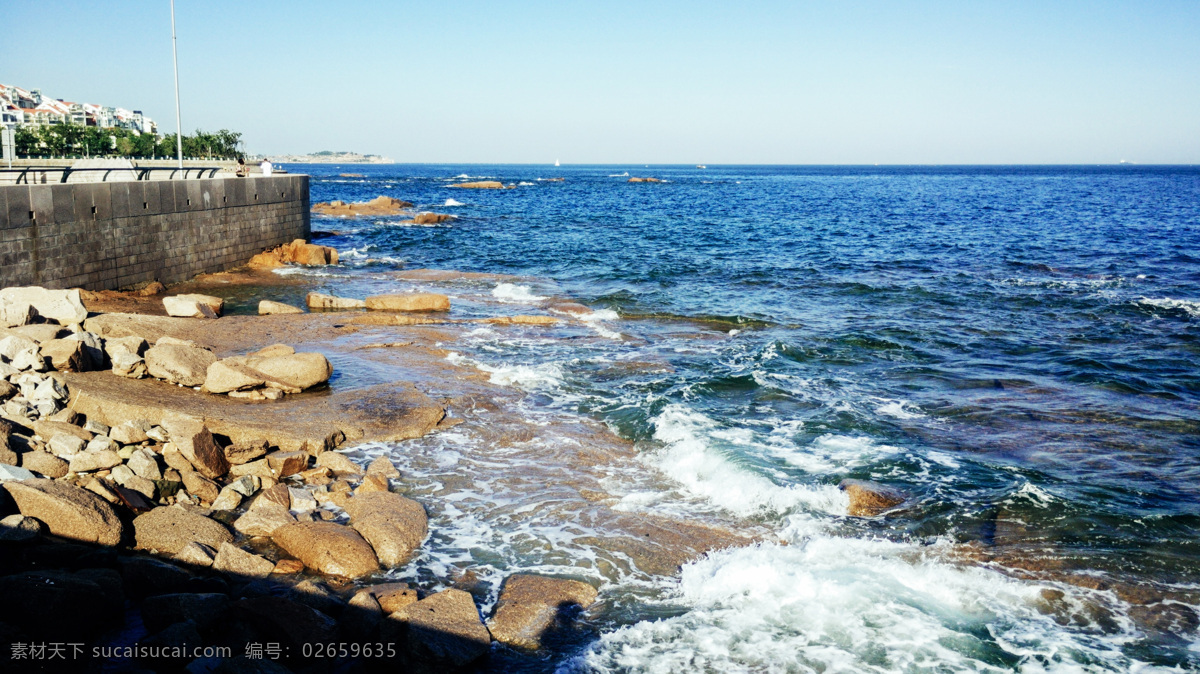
[787, 82]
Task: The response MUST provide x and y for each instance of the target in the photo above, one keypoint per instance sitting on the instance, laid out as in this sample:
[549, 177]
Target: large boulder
[530, 606]
[394, 525]
[297, 371]
[169, 529]
[64, 306]
[302, 252]
[868, 499]
[231, 374]
[323, 301]
[234, 560]
[195, 442]
[264, 519]
[44, 463]
[68, 511]
[409, 302]
[193, 306]
[179, 363]
[442, 632]
[329, 548]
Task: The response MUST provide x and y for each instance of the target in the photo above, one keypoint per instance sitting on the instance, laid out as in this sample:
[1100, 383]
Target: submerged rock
[482, 185]
[323, 301]
[409, 302]
[267, 308]
[380, 205]
[868, 499]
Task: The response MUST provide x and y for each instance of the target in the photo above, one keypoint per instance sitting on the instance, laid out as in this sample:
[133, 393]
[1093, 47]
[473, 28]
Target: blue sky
[642, 82]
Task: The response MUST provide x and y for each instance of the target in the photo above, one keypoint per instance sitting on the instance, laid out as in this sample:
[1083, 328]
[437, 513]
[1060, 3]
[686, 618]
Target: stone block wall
[101, 236]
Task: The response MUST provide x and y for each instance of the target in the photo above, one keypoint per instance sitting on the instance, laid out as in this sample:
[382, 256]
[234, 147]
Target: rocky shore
[165, 486]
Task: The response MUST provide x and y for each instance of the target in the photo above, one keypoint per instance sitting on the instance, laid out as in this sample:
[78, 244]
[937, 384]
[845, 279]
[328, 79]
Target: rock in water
[323, 301]
[530, 606]
[194, 306]
[231, 374]
[170, 529]
[481, 185]
[327, 548]
[394, 525]
[409, 302]
[297, 371]
[441, 632]
[68, 511]
[64, 306]
[267, 307]
[868, 499]
[179, 363]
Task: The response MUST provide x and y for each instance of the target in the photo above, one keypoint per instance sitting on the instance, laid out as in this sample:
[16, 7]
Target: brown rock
[230, 374]
[522, 320]
[68, 511]
[868, 499]
[430, 218]
[380, 205]
[372, 483]
[196, 554]
[152, 288]
[481, 185]
[232, 559]
[338, 463]
[295, 372]
[392, 596]
[179, 363]
[441, 632]
[48, 429]
[194, 441]
[327, 548]
[645, 180]
[288, 566]
[169, 529]
[279, 620]
[394, 525]
[263, 520]
[287, 463]
[323, 301]
[64, 354]
[531, 606]
[267, 308]
[199, 486]
[383, 467]
[245, 453]
[409, 302]
[86, 462]
[44, 463]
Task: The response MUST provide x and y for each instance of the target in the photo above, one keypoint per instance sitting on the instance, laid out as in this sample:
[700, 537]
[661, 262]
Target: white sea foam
[832, 604]
[1189, 307]
[898, 409]
[619, 175]
[596, 319]
[527, 377]
[511, 292]
[453, 202]
[689, 456]
[525, 183]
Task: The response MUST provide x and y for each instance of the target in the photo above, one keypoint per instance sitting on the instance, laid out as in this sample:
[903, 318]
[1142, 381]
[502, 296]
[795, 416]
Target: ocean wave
[524, 183]
[690, 457]
[826, 603]
[619, 175]
[898, 409]
[453, 202]
[512, 293]
[1189, 307]
[595, 320]
[525, 377]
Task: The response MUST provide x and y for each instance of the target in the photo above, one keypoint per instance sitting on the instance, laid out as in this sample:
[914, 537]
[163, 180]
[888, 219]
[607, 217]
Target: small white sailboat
[556, 162]
[701, 166]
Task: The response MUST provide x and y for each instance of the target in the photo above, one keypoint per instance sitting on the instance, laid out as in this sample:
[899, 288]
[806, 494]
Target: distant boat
[701, 166]
[556, 162]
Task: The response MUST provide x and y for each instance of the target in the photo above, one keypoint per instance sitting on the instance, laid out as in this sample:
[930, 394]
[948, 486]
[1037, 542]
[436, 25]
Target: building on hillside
[21, 107]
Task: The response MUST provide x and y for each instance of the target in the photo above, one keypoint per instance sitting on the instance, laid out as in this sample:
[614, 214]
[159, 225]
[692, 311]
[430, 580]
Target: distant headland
[328, 157]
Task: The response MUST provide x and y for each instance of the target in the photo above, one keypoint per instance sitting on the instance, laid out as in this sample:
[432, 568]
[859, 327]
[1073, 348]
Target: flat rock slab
[311, 422]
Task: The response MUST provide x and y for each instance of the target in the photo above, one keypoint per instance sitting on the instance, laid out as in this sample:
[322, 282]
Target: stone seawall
[101, 236]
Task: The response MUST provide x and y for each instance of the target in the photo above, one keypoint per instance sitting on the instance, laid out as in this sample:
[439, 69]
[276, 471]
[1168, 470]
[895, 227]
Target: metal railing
[142, 173]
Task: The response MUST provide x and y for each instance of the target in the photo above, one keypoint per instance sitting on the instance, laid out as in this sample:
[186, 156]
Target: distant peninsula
[328, 157]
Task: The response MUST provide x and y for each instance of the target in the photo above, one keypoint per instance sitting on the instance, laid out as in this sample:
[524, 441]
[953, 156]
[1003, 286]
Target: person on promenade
[242, 169]
[266, 167]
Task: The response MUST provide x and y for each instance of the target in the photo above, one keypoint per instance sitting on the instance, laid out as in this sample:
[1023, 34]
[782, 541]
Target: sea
[1016, 349]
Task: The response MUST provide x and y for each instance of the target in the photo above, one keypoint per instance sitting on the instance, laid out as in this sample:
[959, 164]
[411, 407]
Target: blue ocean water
[1015, 348]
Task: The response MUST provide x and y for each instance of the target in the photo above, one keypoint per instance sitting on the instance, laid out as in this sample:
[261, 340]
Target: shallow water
[1013, 347]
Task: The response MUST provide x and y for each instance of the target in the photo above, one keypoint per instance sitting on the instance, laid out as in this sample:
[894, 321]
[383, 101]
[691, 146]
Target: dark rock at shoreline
[203, 609]
[439, 633]
[60, 606]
